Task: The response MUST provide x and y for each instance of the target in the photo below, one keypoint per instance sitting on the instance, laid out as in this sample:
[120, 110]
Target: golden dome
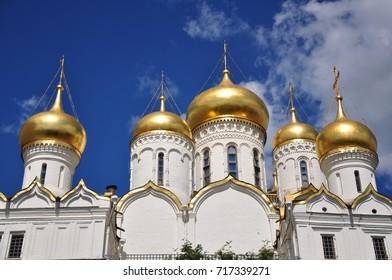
[344, 133]
[293, 131]
[54, 125]
[162, 120]
[227, 100]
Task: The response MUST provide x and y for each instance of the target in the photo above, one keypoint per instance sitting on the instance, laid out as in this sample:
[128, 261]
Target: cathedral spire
[340, 113]
[225, 54]
[58, 104]
[162, 98]
[292, 110]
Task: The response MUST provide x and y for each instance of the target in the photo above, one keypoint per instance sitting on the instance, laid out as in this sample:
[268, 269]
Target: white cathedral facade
[202, 180]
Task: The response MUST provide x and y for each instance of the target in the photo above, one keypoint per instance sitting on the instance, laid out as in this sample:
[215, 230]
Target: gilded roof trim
[321, 191]
[369, 190]
[238, 182]
[3, 197]
[35, 182]
[147, 186]
[292, 197]
[83, 186]
[282, 214]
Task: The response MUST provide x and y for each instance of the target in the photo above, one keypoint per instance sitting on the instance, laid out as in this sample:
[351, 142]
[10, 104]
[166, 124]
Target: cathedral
[202, 180]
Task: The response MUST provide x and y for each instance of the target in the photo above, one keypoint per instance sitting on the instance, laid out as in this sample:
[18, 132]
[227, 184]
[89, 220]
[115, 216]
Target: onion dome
[227, 100]
[162, 121]
[54, 126]
[294, 130]
[344, 133]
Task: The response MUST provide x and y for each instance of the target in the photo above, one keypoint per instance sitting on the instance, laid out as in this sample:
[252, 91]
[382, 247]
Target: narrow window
[379, 248]
[1, 235]
[329, 247]
[16, 244]
[256, 165]
[358, 181]
[160, 169]
[304, 173]
[43, 173]
[232, 161]
[206, 167]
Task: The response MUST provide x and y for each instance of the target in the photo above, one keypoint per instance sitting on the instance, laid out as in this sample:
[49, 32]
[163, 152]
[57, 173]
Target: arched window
[43, 173]
[206, 167]
[304, 173]
[358, 181]
[232, 161]
[160, 169]
[256, 165]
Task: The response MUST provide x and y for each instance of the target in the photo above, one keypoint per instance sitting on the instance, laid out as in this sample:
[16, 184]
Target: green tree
[225, 253]
[190, 253]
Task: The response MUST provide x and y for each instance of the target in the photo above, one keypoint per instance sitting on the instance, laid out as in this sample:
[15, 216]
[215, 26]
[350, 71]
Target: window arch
[206, 167]
[160, 168]
[304, 173]
[232, 161]
[43, 173]
[358, 181]
[256, 166]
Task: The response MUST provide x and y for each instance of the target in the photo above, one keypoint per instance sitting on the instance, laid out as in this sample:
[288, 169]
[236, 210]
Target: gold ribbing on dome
[343, 133]
[294, 131]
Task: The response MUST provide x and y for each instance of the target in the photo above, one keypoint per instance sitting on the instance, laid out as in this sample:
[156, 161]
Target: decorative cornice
[229, 119]
[149, 185]
[49, 145]
[160, 136]
[229, 178]
[369, 191]
[229, 128]
[294, 146]
[349, 152]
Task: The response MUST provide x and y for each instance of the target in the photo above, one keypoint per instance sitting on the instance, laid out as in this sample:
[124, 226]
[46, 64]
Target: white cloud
[132, 123]
[26, 107]
[308, 39]
[212, 24]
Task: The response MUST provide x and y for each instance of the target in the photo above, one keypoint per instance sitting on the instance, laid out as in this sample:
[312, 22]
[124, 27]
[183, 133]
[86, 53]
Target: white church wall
[235, 216]
[217, 136]
[340, 169]
[150, 226]
[287, 160]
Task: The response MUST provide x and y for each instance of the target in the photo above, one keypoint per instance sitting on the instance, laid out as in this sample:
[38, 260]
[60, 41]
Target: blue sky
[115, 52]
